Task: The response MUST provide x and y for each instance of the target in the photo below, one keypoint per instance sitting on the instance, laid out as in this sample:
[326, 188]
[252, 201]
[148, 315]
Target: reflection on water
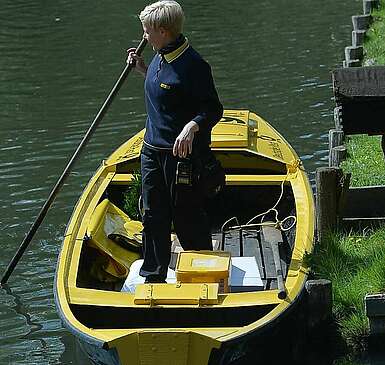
[58, 61]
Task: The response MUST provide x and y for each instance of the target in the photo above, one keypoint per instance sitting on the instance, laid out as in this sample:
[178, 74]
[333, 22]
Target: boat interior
[252, 217]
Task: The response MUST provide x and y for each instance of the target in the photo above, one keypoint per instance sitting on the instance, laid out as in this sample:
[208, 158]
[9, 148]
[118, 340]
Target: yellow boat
[263, 219]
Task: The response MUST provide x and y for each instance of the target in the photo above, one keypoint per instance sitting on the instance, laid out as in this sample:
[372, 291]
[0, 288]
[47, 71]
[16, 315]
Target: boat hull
[114, 328]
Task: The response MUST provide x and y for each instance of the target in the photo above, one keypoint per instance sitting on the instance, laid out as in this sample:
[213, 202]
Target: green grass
[365, 160]
[355, 263]
[365, 157]
[375, 38]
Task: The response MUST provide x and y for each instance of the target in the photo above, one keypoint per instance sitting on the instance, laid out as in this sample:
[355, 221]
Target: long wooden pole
[99, 116]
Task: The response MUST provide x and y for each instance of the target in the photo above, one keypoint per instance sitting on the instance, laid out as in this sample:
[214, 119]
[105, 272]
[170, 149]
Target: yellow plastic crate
[204, 267]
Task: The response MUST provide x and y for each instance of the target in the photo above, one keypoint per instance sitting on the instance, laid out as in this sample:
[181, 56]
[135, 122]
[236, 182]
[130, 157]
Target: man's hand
[132, 58]
[183, 143]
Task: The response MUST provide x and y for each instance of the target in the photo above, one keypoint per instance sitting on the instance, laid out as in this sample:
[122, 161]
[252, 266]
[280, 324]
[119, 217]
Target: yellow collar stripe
[169, 57]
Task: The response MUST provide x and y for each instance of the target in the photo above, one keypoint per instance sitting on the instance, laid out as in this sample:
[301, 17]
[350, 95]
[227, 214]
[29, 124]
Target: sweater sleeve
[205, 99]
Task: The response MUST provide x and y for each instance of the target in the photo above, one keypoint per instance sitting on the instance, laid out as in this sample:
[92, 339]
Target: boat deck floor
[254, 245]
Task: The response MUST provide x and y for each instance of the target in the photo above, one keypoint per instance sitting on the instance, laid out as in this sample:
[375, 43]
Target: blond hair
[167, 14]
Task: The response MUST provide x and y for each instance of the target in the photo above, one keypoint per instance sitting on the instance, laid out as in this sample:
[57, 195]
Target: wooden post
[354, 53]
[383, 144]
[319, 303]
[345, 184]
[358, 37]
[336, 138]
[328, 182]
[375, 311]
[361, 22]
[337, 155]
[369, 5]
[352, 63]
[338, 117]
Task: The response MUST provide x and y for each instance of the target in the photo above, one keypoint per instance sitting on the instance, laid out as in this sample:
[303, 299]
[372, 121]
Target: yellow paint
[174, 347]
[176, 294]
[120, 259]
[204, 267]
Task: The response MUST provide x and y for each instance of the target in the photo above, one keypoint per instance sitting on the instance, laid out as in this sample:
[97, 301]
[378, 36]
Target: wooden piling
[383, 144]
[338, 117]
[319, 303]
[337, 155]
[361, 22]
[375, 311]
[369, 5]
[336, 138]
[328, 185]
[354, 53]
[358, 37]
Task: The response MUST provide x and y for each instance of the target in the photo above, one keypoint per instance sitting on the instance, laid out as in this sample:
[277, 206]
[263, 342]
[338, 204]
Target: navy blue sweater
[179, 88]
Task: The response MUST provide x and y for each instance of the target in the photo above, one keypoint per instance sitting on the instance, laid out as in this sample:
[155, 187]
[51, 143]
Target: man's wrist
[194, 126]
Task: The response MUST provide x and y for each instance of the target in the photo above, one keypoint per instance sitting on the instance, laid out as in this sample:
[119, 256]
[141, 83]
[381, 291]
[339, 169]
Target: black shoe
[152, 279]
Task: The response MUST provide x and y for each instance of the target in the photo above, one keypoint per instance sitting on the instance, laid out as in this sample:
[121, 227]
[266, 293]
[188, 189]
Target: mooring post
[336, 138]
[375, 311]
[358, 37]
[338, 117]
[319, 303]
[361, 22]
[354, 53]
[383, 144]
[328, 186]
[337, 155]
[369, 5]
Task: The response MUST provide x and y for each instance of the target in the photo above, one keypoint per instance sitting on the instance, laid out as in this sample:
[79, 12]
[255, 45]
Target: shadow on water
[19, 308]
[72, 353]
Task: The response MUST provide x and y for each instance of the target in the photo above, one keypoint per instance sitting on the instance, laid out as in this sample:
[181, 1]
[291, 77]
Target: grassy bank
[355, 262]
[365, 160]
[365, 156]
[375, 38]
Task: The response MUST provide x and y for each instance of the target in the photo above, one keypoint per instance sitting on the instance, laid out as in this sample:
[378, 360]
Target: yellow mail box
[204, 267]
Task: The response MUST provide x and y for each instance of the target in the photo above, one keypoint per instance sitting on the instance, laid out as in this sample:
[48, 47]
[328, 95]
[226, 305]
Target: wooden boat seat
[115, 236]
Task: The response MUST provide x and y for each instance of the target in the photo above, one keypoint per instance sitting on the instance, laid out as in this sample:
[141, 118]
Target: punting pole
[99, 116]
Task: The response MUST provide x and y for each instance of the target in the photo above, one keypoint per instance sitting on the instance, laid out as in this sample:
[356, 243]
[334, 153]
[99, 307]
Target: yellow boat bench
[168, 295]
[123, 179]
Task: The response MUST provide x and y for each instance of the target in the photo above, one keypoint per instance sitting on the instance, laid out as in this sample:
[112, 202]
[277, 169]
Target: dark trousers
[164, 203]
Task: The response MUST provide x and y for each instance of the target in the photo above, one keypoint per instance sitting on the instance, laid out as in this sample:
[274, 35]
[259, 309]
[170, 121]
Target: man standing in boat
[182, 107]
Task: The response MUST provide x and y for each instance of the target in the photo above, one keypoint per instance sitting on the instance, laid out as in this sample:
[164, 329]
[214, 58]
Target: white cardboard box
[133, 278]
[245, 275]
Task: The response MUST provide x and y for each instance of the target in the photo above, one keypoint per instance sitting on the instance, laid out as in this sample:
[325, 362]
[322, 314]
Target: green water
[58, 61]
